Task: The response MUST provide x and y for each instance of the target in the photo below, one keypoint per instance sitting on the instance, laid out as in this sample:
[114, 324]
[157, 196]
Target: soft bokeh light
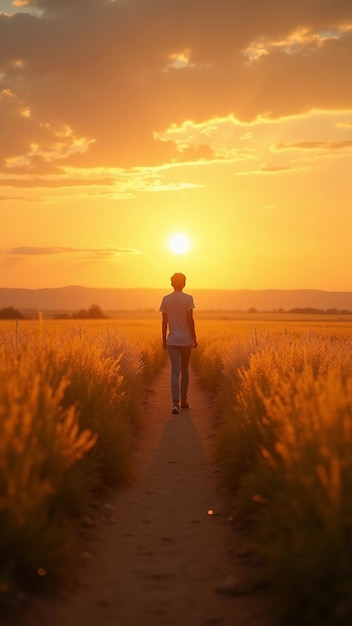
[41, 571]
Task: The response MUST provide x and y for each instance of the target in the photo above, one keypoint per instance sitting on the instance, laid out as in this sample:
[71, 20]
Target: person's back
[177, 316]
[176, 306]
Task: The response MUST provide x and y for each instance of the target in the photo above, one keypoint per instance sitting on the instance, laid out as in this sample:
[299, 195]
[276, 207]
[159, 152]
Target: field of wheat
[70, 403]
[283, 401]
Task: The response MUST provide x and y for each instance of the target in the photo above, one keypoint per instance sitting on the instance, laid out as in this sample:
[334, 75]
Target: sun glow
[179, 244]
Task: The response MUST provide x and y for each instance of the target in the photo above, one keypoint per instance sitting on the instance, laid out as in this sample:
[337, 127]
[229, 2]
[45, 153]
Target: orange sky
[123, 122]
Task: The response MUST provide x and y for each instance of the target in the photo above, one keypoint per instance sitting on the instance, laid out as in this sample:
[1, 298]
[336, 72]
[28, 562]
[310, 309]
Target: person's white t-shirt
[176, 305]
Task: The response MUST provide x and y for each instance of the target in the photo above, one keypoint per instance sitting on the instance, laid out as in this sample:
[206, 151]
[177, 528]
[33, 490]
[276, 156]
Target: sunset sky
[124, 122]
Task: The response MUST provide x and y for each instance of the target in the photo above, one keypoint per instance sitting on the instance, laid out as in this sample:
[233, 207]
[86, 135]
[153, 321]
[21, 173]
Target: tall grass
[285, 450]
[70, 402]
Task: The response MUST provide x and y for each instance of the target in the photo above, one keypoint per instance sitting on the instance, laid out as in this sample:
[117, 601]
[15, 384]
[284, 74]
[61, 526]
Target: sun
[179, 243]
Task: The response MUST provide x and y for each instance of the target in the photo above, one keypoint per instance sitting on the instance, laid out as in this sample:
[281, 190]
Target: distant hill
[74, 298]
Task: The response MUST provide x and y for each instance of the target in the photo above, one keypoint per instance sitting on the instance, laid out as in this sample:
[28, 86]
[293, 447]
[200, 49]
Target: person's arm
[164, 324]
[192, 328]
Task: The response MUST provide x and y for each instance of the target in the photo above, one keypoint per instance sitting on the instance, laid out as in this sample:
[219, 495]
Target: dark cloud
[47, 183]
[25, 250]
[96, 252]
[97, 70]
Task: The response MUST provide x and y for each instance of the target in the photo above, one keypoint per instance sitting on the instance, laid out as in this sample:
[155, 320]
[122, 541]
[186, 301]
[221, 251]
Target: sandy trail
[156, 556]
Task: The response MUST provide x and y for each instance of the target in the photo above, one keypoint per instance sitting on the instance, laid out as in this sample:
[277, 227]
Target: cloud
[274, 168]
[266, 143]
[52, 183]
[95, 83]
[113, 182]
[13, 6]
[269, 169]
[330, 146]
[108, 252]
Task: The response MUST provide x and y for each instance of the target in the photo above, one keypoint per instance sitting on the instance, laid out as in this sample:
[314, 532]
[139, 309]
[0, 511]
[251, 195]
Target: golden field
[225, 323]
[283, 404]
[71, 394]
[71, 399]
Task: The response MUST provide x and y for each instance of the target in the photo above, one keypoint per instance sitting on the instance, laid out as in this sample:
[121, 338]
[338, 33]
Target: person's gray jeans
[179, 357]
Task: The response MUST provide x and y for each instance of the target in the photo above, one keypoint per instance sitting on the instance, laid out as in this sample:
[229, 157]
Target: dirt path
[157, 558]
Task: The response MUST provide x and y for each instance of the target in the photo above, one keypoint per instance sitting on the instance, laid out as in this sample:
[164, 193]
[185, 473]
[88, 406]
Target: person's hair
[178, 279]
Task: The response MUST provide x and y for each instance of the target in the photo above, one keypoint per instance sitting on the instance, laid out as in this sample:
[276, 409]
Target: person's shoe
[185, 405]
[175, 409]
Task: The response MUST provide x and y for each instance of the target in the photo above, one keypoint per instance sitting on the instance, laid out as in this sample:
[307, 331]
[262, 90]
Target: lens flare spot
[41, 571]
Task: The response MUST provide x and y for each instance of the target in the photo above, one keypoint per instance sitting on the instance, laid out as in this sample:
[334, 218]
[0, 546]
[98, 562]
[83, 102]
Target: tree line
[93, 313]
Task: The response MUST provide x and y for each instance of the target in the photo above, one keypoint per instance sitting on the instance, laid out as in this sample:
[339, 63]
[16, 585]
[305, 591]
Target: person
[177, 317]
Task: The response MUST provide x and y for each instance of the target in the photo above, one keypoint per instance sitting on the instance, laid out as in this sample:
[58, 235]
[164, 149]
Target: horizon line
[193, 288]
